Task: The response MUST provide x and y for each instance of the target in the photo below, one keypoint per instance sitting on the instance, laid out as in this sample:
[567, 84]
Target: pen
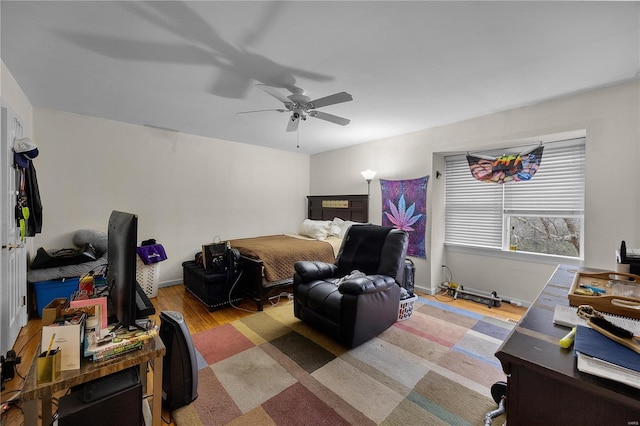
[596, 289]
[53, 338]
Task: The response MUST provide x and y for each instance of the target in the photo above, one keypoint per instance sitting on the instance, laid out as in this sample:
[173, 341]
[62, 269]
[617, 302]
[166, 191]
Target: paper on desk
[68, 340]
[568, 317]
[601, 368]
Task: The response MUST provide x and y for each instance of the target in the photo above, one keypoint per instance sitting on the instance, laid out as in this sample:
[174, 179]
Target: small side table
[151, 354]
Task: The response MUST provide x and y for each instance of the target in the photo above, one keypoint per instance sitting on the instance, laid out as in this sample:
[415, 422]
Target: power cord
[231, 292]
[444, 292]
[11, 402]
[36, 334]
[279, 296]
[448, 272]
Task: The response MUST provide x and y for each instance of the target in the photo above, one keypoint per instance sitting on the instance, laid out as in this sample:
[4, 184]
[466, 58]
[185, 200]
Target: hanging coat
[34, 202]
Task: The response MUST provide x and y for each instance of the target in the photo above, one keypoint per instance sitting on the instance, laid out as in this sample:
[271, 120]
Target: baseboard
[169, 283]
[424, 290]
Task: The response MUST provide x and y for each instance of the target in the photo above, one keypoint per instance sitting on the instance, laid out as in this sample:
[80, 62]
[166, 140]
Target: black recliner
[357, 297]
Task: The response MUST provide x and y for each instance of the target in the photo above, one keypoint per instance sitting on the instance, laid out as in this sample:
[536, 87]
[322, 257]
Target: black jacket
[34, 223]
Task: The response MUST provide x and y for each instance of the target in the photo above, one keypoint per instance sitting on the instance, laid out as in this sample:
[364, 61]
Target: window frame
[499, 245]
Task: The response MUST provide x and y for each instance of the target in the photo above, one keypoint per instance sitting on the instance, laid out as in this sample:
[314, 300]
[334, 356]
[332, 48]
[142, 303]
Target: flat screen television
[122, 238]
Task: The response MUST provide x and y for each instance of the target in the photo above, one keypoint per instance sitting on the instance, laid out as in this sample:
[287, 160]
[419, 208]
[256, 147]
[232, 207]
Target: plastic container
[148, 276]
[406, 308]
[46, 291]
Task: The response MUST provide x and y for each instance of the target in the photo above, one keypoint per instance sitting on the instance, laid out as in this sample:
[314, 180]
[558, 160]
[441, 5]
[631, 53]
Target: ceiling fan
[301, 106]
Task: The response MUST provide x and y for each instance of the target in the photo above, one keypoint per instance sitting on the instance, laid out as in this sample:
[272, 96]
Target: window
[543, 215]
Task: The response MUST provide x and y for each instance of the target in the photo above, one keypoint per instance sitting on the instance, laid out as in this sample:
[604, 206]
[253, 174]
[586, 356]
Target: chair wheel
[499, 391]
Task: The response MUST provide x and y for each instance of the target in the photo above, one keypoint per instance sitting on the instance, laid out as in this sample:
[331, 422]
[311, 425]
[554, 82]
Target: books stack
[102, 349]
[599, 355]
[596, 353]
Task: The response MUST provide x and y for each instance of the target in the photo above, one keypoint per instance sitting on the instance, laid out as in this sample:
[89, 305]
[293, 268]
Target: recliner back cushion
[361, 249]
[392, 257]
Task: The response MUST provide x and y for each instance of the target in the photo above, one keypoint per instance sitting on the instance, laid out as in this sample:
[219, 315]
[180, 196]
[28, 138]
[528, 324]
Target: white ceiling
[191, 66]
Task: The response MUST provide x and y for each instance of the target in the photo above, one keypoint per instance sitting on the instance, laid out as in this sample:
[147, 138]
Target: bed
[267, 261]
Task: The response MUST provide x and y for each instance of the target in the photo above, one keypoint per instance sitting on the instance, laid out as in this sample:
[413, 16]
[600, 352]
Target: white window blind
[475, 211]
[557, 187]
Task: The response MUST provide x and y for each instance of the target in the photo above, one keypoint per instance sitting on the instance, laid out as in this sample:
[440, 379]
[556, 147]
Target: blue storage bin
[46, 291]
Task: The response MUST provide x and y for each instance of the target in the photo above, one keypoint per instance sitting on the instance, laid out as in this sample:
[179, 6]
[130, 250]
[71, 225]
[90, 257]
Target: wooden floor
[197, 318]
[505, 311]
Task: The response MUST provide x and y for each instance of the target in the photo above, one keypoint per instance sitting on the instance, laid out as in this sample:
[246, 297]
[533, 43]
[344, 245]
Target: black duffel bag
[63, 257]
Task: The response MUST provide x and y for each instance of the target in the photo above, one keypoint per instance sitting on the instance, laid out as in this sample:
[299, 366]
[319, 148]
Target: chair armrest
[312, 270]
[366, 285]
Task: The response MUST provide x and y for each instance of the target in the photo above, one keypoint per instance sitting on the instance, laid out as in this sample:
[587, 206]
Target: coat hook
[438, 174]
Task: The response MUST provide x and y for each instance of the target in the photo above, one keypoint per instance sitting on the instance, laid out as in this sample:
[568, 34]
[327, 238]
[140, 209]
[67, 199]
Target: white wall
[13, 95]
[186, 189]
[610, 118]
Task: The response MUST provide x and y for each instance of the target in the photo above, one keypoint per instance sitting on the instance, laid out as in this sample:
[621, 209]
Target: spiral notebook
[598, 355]
[568, 317]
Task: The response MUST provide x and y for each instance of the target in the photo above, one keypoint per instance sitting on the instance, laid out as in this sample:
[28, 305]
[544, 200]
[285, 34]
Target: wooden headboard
[346, 207]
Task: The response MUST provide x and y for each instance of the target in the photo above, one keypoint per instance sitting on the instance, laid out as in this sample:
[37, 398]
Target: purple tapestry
[404, 206]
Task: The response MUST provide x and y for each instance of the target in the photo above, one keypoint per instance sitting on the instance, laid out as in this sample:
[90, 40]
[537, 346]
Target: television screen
[121, 273]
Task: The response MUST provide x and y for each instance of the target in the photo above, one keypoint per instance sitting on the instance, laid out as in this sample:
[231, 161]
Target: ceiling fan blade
[336, 98]
[262, 110]
[330, 117]
[294, 122]
[273, 92]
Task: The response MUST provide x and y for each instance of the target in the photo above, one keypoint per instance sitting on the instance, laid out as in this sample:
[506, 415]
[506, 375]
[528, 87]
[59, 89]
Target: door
[13, 260]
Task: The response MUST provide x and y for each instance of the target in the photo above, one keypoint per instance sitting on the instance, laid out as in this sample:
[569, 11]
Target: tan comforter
[280, 252]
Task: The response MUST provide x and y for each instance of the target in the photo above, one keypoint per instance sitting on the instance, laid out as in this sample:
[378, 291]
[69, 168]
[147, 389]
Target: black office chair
[499, 395]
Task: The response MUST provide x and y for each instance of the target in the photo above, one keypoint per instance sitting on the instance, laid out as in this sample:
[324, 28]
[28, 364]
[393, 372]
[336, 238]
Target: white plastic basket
[406, 308]
[147, 276]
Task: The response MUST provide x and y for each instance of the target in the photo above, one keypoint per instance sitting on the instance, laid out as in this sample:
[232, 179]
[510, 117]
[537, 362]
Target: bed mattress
[280, 252]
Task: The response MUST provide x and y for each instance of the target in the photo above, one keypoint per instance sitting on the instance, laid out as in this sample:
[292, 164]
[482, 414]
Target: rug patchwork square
[270, 368]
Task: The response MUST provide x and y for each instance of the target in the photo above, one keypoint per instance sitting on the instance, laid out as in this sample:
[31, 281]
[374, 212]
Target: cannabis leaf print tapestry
[404, 206]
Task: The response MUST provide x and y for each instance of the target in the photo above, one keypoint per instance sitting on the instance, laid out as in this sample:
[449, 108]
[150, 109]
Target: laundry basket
[406, 308]
[148, 276]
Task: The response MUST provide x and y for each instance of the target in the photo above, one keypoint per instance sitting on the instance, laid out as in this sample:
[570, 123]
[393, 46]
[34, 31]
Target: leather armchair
[354, 307]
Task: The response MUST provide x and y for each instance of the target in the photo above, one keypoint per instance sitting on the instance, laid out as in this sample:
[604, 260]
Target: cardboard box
[52, 310]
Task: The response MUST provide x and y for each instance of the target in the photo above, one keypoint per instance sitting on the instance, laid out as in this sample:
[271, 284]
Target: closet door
[13, 269]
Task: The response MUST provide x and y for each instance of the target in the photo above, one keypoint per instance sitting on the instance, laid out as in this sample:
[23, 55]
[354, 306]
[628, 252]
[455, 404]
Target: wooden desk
[152, 352]
[544, 385]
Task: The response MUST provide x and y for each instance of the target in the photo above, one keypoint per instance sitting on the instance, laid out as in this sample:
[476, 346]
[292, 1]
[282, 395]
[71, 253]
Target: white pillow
[334, 228]
[339, 227]
[318, 229]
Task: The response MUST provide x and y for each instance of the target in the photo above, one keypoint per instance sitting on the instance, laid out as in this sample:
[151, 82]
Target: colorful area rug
[270, 368]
